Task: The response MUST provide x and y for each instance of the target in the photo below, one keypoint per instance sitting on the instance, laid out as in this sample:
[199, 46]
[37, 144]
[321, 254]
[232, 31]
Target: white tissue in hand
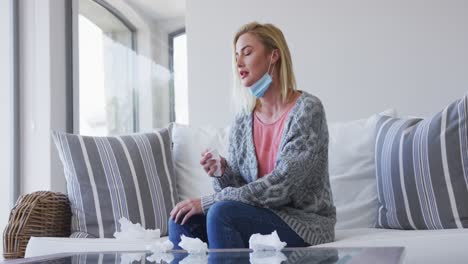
[130, 231]
[266, 242]
[160, 257]
[158, 247]
[195, 259]
[215, 156]
[267, 257]
[193, 245]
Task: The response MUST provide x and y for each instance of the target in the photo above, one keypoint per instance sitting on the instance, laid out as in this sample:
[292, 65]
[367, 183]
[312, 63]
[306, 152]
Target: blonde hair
[272, 38]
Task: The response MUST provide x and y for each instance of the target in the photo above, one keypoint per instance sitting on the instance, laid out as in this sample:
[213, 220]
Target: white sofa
[352, 177]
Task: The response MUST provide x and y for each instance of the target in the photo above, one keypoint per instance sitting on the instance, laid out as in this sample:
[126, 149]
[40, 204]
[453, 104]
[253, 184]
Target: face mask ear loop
[269, 66]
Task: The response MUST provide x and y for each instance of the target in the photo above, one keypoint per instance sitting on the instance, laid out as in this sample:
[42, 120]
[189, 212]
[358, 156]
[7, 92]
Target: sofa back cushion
[188, 144]
[422, 170]
[111, 177]
[351, 155]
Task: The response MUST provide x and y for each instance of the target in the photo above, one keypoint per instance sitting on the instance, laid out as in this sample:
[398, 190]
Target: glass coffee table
[382, 255]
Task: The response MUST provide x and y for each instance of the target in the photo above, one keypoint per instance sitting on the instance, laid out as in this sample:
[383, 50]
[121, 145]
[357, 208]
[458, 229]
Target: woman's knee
[223, 211]
[224, 229]
[173, 227]
[194, 227]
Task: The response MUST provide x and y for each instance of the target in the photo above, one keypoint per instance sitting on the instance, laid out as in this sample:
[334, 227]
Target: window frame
[171, 37]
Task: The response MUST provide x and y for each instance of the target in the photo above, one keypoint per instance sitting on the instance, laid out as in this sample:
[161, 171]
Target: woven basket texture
[38, 214]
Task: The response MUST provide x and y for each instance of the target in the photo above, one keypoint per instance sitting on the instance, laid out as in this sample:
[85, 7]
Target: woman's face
[252, 59]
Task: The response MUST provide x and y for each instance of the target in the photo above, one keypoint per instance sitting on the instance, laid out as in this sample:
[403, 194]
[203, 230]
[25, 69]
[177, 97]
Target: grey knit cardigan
[298, 189]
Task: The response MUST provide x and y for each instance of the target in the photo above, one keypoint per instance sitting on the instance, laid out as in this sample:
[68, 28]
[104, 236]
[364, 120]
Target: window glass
[107, 95]
[180, 79]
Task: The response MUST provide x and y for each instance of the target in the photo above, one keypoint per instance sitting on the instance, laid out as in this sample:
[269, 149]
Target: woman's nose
[240, 61]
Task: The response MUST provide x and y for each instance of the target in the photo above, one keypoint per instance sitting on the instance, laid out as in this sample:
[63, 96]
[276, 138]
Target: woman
[276, 177]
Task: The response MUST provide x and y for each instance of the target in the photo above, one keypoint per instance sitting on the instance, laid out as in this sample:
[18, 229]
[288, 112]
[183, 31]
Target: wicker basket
[39, 214]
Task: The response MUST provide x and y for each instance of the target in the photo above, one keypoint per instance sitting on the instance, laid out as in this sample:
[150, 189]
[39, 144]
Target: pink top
[267, 138]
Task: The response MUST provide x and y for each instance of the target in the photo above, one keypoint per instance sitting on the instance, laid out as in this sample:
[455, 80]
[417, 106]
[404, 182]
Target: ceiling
[158, 10]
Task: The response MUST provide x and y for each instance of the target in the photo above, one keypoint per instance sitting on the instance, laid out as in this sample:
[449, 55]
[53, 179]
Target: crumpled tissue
[130, 231]
[159, 251]
[266, 242]
[217, 158]
[193, 245]
[159, 257]
[160, 247]
[129, 258]
[267, 257]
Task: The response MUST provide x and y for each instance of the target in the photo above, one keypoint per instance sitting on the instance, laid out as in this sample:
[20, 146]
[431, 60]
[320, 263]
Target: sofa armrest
[38, 214]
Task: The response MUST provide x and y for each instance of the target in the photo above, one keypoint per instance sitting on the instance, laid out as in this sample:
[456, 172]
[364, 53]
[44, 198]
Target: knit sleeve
[306, 140]
[231, 176]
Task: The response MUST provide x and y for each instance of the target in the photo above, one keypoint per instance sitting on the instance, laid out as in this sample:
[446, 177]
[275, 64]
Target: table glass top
[388, 255]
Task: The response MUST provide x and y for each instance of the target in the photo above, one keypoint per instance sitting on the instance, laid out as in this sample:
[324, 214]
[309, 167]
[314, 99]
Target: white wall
[42, 92]
[359, 56]
[6, 113]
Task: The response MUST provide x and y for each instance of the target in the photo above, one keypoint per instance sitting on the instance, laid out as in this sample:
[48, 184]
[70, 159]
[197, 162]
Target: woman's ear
[275, 56]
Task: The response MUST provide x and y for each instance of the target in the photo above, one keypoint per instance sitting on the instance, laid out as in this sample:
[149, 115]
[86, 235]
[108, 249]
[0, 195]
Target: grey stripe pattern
[422, 170]
[111, 177]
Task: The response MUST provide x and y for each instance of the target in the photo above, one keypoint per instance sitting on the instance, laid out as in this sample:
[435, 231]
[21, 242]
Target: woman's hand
[188, 208]
[209, 165]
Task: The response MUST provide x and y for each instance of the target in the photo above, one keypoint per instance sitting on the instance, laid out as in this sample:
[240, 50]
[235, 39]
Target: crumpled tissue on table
[193, 245]
[267, 257]
[159, 251]
[129, 258]
[258, 242]
[160, 247]
[159, 257]
[130, 231]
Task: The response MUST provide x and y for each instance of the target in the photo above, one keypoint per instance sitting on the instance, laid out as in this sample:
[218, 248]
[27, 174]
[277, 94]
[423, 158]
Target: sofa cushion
[188, 144]
[111, 177]
[352, 171]
[421, 246]
[422, 170]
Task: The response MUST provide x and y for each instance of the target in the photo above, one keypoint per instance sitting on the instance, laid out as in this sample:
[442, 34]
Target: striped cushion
[111, 177]
[422, 170]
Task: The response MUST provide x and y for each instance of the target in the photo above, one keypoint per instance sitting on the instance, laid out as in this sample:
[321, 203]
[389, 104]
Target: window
[179, 111]
[107, 92]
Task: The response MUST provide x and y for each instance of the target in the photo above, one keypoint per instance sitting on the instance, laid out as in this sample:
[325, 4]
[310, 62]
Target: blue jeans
[230, 224]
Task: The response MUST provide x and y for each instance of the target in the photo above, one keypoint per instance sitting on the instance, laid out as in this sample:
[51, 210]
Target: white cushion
[421, 246]
[189, 143]
[352, 171]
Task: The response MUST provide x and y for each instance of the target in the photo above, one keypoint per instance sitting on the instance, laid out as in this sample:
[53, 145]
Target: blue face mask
[259, 88]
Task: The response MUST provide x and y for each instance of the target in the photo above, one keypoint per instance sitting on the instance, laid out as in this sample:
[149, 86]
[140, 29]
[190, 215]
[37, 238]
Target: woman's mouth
[243, 74]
